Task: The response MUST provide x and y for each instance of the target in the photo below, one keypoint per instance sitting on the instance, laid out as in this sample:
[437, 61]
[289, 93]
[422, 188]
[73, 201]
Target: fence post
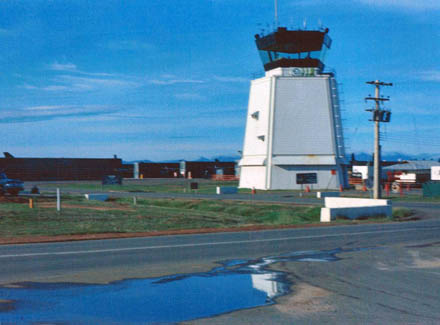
[58, 200]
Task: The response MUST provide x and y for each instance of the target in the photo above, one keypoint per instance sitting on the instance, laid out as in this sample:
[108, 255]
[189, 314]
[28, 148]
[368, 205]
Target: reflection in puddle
[237, 284]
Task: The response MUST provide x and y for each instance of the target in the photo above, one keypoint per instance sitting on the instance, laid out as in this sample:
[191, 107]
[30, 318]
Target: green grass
[401, 213]
[80, 216]
[148, 215]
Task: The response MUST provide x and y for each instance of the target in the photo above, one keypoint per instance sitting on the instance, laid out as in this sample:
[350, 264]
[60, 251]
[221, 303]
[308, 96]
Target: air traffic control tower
[293, 136]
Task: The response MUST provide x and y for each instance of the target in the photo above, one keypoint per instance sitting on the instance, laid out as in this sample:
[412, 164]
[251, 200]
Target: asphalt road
[45, 261]
[397, 282]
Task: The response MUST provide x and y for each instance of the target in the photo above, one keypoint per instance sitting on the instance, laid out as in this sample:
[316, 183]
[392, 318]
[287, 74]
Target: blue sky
[170, 79]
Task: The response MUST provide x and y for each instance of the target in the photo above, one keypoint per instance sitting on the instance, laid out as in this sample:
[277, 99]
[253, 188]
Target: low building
[206, 169]
[156, 170]
[412, 172]
[55, 169]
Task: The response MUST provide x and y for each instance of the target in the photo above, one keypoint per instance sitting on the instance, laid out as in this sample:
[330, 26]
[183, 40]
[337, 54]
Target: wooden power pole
[379, 115]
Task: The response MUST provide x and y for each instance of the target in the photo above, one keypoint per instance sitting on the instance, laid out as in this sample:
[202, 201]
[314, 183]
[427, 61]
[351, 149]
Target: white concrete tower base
[293, 135]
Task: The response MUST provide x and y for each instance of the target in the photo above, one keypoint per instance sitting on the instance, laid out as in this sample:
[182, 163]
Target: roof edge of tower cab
[293, 41]
[293, 48]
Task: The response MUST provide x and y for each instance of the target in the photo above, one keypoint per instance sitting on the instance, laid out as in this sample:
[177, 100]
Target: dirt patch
[306, 299]
[422, 263]
[77, 237]
[13, 199]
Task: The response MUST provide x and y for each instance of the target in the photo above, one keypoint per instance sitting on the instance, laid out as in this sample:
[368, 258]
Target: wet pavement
[234, 285]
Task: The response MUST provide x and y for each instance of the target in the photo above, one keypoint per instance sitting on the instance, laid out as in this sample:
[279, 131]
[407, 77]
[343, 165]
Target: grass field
[79, 216]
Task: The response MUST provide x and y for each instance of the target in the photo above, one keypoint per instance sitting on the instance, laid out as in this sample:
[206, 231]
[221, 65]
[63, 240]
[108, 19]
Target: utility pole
[379, 115]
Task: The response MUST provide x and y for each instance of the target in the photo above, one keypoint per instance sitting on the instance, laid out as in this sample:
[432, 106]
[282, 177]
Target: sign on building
[306, 178]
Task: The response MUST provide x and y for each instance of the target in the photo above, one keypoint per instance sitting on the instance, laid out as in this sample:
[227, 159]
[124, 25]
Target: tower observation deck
[293, 48]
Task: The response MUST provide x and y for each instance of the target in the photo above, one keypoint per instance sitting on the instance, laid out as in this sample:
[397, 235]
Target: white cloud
[397, 4]
[168, 76]
[53, 88]
[304, 3]
[75, 83]
[49, 112]
[29, 87]
[404, 4]
[62, 67]
[44, 108]
[73, 69]
[69, 78]
[190, 96]
[6, 32]
[169, 79]
[430, 75]
[230, 79]
[166, 82]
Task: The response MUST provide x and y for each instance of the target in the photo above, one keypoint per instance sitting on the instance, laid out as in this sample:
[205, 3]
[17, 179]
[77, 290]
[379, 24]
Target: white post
[58, 200]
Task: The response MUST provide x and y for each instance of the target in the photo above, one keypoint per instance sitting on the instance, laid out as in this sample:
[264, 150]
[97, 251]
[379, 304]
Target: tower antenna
[276, 14]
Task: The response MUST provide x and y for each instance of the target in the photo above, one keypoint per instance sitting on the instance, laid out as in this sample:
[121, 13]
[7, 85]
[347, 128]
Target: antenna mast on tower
[276, 14]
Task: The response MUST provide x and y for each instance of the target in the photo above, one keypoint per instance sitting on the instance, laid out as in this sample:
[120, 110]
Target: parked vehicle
[10, 186]
[400, 179]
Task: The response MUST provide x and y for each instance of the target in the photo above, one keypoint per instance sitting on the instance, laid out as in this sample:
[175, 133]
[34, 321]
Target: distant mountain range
[219, 158]
[360, 156]
[396, 156]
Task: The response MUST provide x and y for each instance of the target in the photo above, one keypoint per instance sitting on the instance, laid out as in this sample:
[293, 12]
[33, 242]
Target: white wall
[253, 177]
[302, 121]
[354, 208]
[259, 101]
[349, 202]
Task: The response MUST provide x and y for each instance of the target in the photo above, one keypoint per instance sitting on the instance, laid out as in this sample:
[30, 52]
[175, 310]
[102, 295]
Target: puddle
[234, 285]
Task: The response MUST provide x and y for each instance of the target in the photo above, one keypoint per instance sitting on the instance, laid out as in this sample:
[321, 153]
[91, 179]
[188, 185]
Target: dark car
[11, 186]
